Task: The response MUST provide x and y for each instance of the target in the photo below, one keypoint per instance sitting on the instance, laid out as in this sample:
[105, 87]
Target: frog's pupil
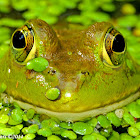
[18, 40]
[118, 44]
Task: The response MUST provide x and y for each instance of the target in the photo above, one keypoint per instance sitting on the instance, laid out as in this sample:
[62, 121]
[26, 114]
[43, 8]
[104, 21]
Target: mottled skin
[75, 67]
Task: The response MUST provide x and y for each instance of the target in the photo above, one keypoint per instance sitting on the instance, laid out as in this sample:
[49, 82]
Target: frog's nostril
[52, 72]
[85, 72]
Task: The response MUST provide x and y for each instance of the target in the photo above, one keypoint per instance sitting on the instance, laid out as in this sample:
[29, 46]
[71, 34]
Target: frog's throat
[71, 117]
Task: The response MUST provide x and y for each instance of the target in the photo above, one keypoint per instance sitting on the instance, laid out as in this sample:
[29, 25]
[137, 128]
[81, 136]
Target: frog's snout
[66, 87]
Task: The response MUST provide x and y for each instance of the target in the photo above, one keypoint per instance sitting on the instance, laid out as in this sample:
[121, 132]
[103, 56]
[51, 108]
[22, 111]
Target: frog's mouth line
[71, 117]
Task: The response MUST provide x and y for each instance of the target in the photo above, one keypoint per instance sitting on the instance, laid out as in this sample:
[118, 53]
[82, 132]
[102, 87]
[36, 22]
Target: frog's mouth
[72, 117]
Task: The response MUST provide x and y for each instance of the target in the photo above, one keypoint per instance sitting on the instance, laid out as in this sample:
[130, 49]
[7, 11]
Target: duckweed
[106, 132]
[134, 109]
[29, 136]
[69, 134]
[98, 136]
[32, 129]
[66, 125]
[17, 130]
[4, 118]
[113, 119]
[53, 137]
[30, 113]
[44, 132]
[13, 122]
[52, 93]
[82, 128]
[20, 126]
[4, 110]
[89, 137]
[87, 15]
[114, 136]
[125, 136]
[50, 124]
[2, 125]
[128, 9]
[137, 138]
[137, 125]
[93, 122]
[16, 114]
[38, 64]
[88, 128]
[104, 122]
[128, 118]
[132, 131]
[24, 117]
[7, 131]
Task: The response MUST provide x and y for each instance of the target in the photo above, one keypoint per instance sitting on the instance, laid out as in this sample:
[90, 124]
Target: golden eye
[114, 48]
[23, 44]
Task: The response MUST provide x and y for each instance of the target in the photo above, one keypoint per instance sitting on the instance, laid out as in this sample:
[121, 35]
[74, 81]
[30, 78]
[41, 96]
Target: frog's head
[88, 69]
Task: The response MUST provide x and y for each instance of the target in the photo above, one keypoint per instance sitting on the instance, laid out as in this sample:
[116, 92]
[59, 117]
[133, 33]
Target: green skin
[84, 81]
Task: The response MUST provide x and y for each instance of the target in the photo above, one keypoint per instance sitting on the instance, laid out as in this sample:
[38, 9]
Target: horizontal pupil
[18, 40]
[118, 44]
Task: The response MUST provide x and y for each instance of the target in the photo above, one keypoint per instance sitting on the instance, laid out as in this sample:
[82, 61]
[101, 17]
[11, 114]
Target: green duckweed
[13, 122]
[38, 64]
[132, 131]
[44, 132]
[20, 126]
[106, 131]
[4, 118]
[24, 117]
[82, 128]
[104, 122]
[16, 114]
[52, 93]
[89, 137]
[30, 113]
[113, 119]
[29, 136]
[50, 124]
[98, 136]
[128, 9]
[25, 130]
[138, 101]
[93, 122]
[7, 131]
[137, 138]
[128, 118]
[134, 109]
[66, 125]
[17, 130]
[53, 137]
[114, 136]
[137, 125]
[11, 22]
[2, 125]
[125, 136]
[32, 128]
[69, 134]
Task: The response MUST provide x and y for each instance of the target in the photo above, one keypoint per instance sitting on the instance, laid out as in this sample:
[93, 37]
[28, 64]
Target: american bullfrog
[89, 70]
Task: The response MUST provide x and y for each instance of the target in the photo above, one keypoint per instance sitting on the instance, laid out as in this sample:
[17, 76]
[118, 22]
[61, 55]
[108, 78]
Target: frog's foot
[71, 117]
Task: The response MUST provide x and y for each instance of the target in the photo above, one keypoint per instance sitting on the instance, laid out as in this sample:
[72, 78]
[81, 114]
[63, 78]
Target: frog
[89, 68]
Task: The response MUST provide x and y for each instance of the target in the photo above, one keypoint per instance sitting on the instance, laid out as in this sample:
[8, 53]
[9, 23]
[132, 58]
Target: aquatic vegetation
[103, 127]
[15, 121]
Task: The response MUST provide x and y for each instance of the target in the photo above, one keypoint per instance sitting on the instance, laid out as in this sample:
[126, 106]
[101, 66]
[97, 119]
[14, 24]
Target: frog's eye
[114, 48]
[22, 44]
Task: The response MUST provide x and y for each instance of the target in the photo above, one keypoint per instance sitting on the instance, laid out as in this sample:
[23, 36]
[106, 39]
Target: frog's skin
[92, 76]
